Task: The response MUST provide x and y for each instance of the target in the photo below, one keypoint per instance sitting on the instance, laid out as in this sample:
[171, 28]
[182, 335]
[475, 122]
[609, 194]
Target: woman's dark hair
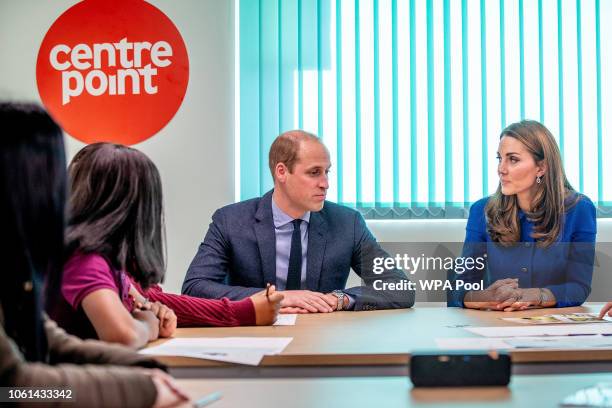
[115, 209]
[32, 199]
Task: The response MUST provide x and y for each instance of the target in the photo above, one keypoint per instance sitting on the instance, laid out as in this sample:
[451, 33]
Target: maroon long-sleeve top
[192, 311]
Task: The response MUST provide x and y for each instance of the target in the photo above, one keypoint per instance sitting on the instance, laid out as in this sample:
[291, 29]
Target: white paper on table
[227, 357]
[561, 342]
[242, 350]
[549, 330]
[599, 395]
[505, 343]
[472, 343]
[285, 320]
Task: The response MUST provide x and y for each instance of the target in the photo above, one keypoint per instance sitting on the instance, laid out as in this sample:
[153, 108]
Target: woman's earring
[538, 179]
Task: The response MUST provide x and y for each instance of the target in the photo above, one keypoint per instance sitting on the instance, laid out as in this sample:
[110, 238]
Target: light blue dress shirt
[283, 229]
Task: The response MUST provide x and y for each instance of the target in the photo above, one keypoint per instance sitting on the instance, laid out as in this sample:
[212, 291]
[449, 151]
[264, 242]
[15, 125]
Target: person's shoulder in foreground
[127, 386]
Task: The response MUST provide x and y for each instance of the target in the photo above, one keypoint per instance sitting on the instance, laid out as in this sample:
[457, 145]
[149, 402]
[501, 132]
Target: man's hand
[330, 297]
[292, 310]
[306, 301]
[345, 301]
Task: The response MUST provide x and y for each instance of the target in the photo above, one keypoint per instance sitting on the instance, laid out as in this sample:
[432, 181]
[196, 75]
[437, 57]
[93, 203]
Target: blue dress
[565, 267]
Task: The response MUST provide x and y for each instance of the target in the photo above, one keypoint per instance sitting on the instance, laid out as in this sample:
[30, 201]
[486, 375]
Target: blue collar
[281, 218]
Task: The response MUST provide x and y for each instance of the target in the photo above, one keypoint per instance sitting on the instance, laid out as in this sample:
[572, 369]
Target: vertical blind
[410, 96]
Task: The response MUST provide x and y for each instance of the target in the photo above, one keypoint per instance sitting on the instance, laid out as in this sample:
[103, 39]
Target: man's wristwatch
[340, 295]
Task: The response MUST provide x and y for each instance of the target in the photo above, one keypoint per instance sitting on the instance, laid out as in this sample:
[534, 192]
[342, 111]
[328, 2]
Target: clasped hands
[154, 312]
[306, 301]
[504, 294]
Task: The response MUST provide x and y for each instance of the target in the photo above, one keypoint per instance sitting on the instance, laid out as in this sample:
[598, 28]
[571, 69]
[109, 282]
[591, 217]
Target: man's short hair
[286, 147]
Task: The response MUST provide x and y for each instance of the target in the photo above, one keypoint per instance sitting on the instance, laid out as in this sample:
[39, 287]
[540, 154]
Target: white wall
[194, 152]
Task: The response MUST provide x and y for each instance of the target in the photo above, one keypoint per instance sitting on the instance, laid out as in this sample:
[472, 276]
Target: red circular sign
[112, 70]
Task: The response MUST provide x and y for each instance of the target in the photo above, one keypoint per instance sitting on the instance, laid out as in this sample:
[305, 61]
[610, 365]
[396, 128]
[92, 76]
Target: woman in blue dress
[536, 233]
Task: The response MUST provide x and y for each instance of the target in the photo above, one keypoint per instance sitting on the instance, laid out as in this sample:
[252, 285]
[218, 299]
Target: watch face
[340, 295]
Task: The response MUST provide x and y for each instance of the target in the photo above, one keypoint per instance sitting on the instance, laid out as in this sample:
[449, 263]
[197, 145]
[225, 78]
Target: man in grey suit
[294, 239]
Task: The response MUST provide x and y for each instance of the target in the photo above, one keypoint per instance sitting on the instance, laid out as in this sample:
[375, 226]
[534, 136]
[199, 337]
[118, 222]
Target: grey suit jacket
[238, 255]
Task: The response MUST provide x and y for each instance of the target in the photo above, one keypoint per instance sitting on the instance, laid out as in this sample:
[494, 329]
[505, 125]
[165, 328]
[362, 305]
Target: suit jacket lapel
[317, 238]
[266, 238]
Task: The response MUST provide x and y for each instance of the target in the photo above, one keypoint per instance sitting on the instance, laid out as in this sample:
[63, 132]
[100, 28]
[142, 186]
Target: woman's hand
[167, 318]
[607, 308]
[528, 299]
[165, 315]
[532, 298]
[266, 308]
[499, 295]
[169, 394]
[151, 322]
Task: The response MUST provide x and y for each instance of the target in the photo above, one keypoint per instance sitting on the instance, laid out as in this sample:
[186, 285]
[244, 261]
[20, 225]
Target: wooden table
[389, 392]
[382, 338]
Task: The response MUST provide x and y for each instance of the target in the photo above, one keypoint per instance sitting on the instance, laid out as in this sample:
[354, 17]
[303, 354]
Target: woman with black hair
[33, 350]
[115, 240]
